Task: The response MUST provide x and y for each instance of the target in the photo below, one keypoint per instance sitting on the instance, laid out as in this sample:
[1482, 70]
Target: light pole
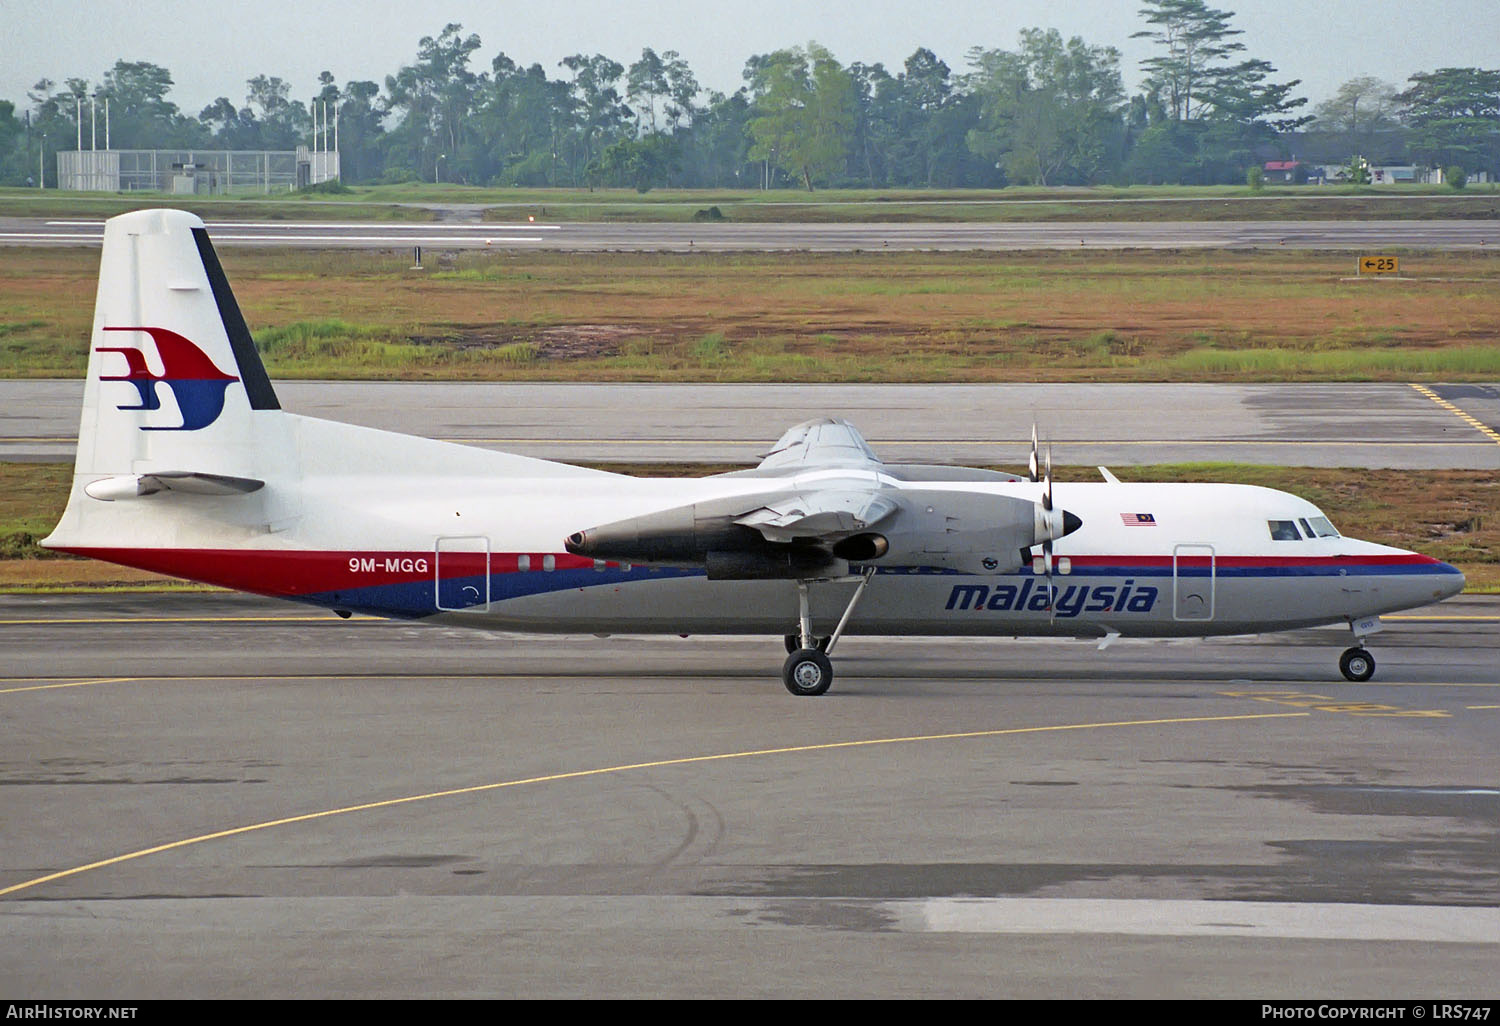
[436, 166]
[41, 164]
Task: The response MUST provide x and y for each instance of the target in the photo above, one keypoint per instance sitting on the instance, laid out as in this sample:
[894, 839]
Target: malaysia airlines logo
[196, 383]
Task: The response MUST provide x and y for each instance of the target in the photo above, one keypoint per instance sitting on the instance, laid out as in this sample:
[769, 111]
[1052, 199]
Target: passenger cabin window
[1284, 530]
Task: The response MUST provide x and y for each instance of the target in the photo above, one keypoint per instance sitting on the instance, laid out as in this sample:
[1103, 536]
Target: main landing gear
[808, 671]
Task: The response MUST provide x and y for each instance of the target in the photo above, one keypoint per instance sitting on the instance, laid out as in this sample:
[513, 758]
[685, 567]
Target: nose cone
[1450, 581]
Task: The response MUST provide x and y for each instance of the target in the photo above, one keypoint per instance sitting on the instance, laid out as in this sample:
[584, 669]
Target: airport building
[195, 172]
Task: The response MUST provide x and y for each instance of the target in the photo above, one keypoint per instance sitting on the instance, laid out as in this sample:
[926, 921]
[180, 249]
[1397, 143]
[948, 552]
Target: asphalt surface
[219, 796]
[603, 237]
[1388, 426]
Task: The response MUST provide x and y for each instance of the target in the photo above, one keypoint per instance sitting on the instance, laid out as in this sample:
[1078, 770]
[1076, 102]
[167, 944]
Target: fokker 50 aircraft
[188, 466]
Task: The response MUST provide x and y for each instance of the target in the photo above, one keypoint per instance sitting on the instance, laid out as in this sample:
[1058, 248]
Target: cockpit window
[1284, 530]
[1320, 528]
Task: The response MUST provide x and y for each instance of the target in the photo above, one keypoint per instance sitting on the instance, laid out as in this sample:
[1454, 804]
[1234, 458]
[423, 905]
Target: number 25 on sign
[1379, 265]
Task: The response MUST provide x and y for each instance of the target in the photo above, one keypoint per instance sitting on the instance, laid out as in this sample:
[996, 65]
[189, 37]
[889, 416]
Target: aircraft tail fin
[174, 379]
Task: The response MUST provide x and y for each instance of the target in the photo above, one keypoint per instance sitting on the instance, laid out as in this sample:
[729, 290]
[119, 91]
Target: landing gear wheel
[807, 672]
[793, 643]
[1357, 665]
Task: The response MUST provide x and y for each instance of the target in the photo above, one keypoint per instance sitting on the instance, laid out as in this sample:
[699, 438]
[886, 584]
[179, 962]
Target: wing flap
[826, 515]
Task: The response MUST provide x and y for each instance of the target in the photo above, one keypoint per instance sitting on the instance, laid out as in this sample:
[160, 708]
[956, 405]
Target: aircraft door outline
[1191, 601]
[466, 560]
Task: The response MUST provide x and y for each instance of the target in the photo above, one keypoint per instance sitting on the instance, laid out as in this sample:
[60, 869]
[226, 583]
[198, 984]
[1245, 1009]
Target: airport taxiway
[775, 237]
[220, 796]
[1333, 424]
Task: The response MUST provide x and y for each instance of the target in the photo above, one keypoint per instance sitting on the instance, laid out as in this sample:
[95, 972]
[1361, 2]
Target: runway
[844, 237]
[219, 796]
[1385, 426]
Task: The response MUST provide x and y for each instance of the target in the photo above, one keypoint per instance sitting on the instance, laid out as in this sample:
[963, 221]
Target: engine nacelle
[784, 564]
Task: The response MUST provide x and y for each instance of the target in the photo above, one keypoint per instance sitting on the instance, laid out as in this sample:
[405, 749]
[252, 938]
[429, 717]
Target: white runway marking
[1144, 917]
[478, 226]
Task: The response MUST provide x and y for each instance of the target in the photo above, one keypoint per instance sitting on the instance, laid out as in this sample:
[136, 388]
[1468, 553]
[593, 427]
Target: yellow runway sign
[1379, 265]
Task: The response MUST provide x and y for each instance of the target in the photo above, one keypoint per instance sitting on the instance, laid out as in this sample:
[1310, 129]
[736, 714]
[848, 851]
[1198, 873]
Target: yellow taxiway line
[1467, 418]
[608, 770]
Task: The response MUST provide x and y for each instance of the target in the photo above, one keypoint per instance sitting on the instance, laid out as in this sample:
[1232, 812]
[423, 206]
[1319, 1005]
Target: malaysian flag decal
[1138, 519]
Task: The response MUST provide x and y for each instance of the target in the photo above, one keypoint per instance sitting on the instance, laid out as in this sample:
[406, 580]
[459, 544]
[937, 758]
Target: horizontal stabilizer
[135, 486]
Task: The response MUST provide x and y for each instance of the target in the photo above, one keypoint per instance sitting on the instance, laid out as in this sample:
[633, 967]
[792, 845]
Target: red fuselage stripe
[294, 572]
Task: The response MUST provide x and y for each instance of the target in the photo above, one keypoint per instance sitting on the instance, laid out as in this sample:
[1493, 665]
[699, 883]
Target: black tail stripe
[252, 371]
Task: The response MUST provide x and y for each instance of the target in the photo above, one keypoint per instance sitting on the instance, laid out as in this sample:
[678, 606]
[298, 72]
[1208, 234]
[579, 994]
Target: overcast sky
[212, 48]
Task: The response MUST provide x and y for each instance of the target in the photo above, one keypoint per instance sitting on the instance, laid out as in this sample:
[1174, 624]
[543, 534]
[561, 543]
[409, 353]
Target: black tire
[1357, 665]
[793, 642]
[807, 672]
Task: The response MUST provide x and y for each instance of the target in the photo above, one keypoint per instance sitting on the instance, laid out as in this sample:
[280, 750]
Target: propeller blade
[1047, 482]
[1033, 464]
[1047, 545]
[1051, 585]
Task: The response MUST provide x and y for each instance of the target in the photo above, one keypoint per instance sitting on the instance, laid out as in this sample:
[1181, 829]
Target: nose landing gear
[1357, 665]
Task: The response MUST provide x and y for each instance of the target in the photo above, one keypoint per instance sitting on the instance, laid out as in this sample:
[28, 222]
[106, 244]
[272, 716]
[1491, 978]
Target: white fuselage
[368, 521]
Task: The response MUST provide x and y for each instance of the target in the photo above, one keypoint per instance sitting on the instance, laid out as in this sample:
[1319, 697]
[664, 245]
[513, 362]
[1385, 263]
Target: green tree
[230, 127]
[1050, 110]
[598, 116]
[642, 163]
[432, 99]
[716, 150]
[661, 81]
[932, 121]
[646, 83]
[877, 146]
[140, 115]
[14, 153]
[1360, 117]
[1248, 113]
[53, 120]
[1454, 114]
[522, 119]
[805, 113]
[361, 132]
[1196, 39]
[1162, 154]
[279, 122]
[1227, 110]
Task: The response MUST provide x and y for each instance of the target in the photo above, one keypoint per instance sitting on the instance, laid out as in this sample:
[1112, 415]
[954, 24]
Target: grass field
[419, 201]
[1040, 316]
[1449, 514]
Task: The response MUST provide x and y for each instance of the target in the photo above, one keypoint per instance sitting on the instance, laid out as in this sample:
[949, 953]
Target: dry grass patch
[856, 317]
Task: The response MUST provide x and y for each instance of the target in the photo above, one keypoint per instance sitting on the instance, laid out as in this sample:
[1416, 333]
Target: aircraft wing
[811, 533]
[828, 443]
[822, 442]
